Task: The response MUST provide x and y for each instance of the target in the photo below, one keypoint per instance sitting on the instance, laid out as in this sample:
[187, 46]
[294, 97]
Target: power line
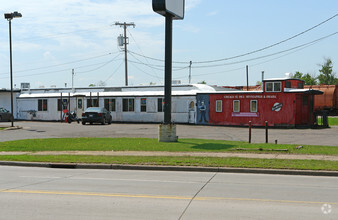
[151, 58]
[257, 64]
[245, 54]
[158, 78]
[58, 71]
[272, 54]
[141, 51]
[154, 65]
[302, 48]
[114, 72]
[62, 34]
[106, 63]
[62, 64]
[272, 45]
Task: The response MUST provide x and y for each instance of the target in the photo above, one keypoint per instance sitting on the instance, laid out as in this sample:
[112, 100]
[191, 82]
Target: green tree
[202, 82]
[308, 79]
[326, 75]
[298, 75]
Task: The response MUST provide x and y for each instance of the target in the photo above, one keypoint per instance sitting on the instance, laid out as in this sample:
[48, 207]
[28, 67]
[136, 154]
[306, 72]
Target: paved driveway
[59, 130]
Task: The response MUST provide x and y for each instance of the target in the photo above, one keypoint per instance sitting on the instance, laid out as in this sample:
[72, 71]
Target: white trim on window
[272, 87]
[235, 107]
[253, 107]
[219, 105]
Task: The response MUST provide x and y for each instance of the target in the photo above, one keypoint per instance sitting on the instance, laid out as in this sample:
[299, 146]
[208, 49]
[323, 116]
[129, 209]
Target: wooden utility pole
[125, 42]
[247, 78]
[190, 72]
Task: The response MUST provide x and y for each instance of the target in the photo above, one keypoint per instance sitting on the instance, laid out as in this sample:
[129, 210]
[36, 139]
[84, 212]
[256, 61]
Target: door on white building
[191, 112]
[79, 106]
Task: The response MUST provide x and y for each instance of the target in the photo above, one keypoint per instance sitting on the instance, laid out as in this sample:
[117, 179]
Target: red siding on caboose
[281, 106]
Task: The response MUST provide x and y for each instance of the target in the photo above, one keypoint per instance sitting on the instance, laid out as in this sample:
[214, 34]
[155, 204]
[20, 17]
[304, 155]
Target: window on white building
[160, 105]
[110, 105]
[143, 105]
[42, 105]
[128, 105]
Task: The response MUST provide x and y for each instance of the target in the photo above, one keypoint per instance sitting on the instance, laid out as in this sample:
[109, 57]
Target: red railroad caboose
[282, 103]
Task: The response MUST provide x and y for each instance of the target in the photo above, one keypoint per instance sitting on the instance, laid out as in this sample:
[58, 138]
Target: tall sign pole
[168, 68]
[171, 10]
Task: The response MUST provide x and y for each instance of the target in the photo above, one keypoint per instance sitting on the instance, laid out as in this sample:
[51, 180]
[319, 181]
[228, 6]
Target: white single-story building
[126, 104]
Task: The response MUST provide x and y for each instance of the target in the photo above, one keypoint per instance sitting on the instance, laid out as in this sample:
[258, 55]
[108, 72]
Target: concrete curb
[13, 128]
[171, 168]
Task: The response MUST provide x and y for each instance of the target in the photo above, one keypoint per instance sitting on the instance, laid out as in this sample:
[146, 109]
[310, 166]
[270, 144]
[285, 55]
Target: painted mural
[202, 109]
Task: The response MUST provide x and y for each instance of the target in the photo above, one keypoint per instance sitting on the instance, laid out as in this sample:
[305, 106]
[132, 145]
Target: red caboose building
[282, 103]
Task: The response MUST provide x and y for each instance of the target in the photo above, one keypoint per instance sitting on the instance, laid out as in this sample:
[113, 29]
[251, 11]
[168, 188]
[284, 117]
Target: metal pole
[249, 132]
[11, 69]
[125, 53]
[266, 132]
[61, 108]
[190, 72]
[247, 78]
[73, 80]
[168, 69]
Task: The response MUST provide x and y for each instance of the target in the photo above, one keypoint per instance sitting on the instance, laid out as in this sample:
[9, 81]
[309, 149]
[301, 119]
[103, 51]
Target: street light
[9, 17]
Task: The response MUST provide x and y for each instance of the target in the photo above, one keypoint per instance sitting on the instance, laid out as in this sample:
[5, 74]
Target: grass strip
[331, 120]
[182, 161]
[148, 144]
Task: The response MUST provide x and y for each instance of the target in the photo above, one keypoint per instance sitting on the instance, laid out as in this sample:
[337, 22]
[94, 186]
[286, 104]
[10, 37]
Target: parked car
[96, 115]
[5, 115]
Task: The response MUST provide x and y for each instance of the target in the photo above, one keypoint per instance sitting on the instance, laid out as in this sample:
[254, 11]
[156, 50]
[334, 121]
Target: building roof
[8, 90]
[177, 90]
[280, 79]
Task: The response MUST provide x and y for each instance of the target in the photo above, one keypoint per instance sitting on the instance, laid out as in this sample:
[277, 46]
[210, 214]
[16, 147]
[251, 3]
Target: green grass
[147, 144]
[183, 161]
[331, 121]
[2, 128]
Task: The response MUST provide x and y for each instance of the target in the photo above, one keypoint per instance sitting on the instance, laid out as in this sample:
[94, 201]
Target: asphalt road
[59, 130]
[40, 193]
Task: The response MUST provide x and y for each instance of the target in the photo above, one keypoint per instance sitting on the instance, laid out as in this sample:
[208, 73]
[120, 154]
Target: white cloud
[189, 28]
[213, 13]
[189, 4]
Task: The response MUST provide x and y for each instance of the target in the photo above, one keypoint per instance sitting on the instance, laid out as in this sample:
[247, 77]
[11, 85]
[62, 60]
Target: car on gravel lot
[5, 115]
[96, 115]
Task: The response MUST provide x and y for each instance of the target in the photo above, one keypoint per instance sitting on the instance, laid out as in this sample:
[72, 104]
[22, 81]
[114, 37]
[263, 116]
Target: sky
[220, 37]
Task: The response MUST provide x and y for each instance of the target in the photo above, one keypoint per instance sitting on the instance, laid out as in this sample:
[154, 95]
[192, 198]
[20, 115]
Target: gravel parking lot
[29, 130]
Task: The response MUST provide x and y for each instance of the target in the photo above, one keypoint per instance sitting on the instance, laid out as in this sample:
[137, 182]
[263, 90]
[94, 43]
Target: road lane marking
[113, 179]
[158, 196]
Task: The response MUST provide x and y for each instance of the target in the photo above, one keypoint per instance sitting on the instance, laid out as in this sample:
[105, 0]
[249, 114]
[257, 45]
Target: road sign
[175, 8]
